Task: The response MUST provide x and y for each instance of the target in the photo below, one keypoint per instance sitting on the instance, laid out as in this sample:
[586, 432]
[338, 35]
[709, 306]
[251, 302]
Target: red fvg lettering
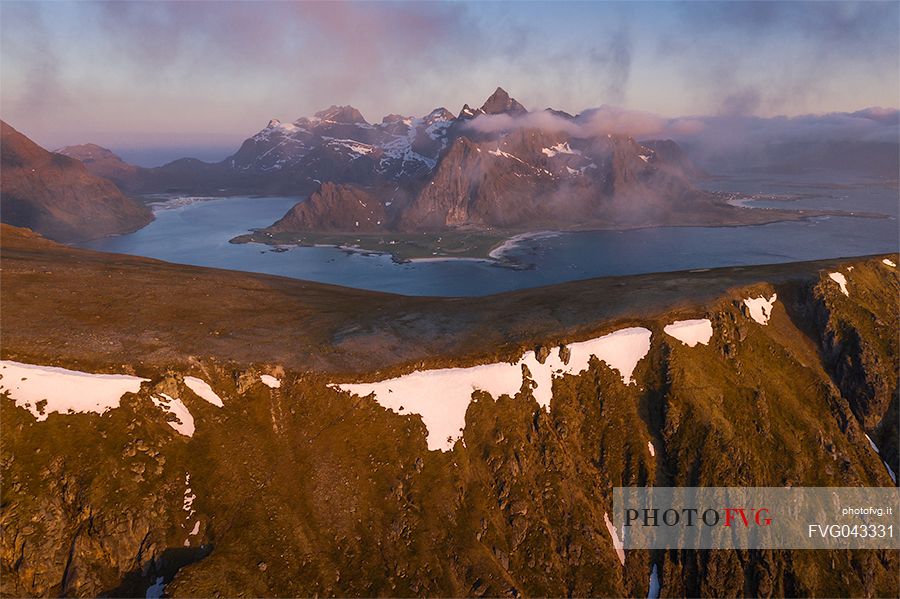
[756, 513]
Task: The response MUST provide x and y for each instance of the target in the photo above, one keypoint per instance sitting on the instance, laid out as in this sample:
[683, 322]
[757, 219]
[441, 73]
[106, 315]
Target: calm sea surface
[197, 233]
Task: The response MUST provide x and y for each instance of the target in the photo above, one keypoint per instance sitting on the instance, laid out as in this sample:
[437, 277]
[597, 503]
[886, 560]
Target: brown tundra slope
[57, 196]
[305, 490]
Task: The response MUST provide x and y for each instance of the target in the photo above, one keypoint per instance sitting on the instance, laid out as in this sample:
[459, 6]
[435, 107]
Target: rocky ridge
[301, 489]
[58, 196]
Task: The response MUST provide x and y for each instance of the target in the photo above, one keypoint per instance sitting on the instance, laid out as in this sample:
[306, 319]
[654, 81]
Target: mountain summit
[56, 196]
[501, 103]
[341, 114]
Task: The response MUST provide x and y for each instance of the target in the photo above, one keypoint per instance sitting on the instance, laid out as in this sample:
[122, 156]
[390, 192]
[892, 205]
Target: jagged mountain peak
[438, 114]
[341, 114]
[500, 102]
[560, 113]
[467, 112]
[87, 152]
[397, 118]
[55, 195]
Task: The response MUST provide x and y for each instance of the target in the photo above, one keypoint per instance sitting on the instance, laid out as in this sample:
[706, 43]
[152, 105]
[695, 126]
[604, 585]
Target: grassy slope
[103, 310]
[304, 490]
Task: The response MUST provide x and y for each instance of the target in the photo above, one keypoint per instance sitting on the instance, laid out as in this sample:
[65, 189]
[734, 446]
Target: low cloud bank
[711, 136]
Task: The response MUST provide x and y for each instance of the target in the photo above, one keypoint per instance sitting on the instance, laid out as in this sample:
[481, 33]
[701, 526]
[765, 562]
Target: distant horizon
[211, 74]
[158, 152]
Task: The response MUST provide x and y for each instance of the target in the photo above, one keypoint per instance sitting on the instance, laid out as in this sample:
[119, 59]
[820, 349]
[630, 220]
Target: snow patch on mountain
[45, 389]
[441, 396]
[560, 148]
[202, 389]
[691, 332]
[187, 502]
[184, 422]
[616, 542]
[352, 146]
[760, 308]
[401, 148]
[841, 280]
[269, 381]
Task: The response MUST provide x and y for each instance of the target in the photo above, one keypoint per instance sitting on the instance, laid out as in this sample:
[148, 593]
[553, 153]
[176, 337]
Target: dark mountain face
[530, 177]
[335, 207]
[501, 103]
[523, 179]
[56, 196]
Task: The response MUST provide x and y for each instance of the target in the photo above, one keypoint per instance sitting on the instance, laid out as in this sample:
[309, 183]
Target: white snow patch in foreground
[761, 308]
[691, 332]
[189, 497]
[441, 396]
[184, 422]
[65, 391]
[270, 381]
[203, 390]
[194, 531]
[651, 448]
[841, 280]
[653, 592]
[617, 544]
[889, 263]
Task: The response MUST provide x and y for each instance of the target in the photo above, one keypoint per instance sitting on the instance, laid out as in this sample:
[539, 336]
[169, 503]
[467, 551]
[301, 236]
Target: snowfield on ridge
[441, 396]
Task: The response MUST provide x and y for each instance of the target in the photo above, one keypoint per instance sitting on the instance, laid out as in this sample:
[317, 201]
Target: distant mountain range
[498, 167]
[439, 172]
[58, 197]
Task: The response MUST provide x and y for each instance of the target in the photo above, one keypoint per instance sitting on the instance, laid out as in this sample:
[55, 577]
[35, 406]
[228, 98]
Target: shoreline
[510, 240]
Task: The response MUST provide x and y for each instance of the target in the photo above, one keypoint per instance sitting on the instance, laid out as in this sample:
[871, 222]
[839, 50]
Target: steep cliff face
[527, 179]
[335, 208]
[294, 487]
[855, 332]
[56, 196]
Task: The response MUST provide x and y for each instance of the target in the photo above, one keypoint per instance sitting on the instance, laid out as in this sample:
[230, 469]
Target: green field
[401, 246]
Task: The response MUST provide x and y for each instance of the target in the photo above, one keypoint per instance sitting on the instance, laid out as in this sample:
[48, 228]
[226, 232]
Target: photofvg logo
[692, 516]
[757, 517]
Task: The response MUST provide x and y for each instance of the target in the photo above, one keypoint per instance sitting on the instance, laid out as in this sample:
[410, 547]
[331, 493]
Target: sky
[158, 80]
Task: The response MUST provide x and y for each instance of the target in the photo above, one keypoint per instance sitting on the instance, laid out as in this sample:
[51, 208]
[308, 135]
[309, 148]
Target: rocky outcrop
[854, 334]
[332, 207]
[500, 103]
[56, 196]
